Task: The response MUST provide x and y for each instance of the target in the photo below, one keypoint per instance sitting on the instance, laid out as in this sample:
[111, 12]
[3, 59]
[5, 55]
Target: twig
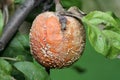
[16, 20]
[8, 58]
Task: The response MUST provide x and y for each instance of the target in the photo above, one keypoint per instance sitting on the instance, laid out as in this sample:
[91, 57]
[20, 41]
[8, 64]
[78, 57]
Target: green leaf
[114, 39]
[98, 40]
[31, 71]
[19, 47]
[117, 20]
[101, 16]
[5, 70]
[18, 1]
[4, 76]
[103, 29]
[5, 66]
[68, 3]
[1, 22]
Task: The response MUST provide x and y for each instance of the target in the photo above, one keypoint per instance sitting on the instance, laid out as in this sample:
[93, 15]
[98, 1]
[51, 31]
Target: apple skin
[53, 47]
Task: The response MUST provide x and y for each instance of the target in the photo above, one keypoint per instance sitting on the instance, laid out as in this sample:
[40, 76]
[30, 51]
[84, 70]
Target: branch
[16, 20]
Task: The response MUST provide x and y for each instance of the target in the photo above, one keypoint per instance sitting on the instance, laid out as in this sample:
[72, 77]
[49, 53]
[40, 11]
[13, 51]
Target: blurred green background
[92, 65]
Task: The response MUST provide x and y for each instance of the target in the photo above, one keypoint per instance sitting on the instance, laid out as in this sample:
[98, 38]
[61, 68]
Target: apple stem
[59, 7]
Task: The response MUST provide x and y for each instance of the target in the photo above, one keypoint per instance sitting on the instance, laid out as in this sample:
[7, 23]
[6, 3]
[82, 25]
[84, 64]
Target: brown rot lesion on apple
[64, 49]
[48, 28]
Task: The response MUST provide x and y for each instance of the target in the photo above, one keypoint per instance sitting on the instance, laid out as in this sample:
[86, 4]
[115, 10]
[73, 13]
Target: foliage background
[91, 66]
